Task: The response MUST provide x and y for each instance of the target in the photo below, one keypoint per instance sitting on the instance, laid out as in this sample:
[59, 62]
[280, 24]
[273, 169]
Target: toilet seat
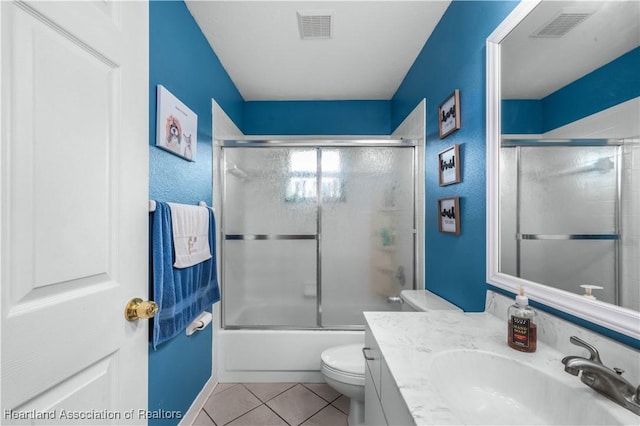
[341, 376]
[344, 364]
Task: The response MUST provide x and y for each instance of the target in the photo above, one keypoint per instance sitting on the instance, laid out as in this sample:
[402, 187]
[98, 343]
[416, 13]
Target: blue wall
[603, 88]
[607, 86]
[182, 61]
[317, 118]
[521, 116]
[454, 58]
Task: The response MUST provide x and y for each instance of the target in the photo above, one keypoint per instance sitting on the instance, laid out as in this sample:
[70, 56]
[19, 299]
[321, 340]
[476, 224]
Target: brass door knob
[140, 309]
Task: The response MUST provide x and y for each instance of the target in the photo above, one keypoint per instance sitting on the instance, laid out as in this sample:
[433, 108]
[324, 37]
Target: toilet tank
[424, 300]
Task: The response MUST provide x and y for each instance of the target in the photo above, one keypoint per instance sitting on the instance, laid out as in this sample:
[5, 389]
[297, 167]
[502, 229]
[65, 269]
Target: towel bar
[152, 205]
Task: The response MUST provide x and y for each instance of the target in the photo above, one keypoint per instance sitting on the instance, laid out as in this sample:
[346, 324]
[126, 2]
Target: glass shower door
[270, 238]
[367, 238]
[568, 221]
[306, 252]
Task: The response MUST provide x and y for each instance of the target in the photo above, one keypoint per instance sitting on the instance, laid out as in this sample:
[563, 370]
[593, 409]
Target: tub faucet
[608, 382]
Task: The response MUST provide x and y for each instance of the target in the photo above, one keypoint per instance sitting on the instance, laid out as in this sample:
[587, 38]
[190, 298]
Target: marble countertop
[409, 341]
[424, 300]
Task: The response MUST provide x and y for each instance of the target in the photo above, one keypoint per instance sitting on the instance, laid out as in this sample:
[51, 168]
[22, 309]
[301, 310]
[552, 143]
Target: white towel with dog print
[190, 234]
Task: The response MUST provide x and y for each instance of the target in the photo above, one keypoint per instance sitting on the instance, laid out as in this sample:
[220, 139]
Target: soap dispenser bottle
[523, 332]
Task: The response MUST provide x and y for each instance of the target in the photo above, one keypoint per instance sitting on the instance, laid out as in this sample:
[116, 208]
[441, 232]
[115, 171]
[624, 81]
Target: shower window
[302, 184]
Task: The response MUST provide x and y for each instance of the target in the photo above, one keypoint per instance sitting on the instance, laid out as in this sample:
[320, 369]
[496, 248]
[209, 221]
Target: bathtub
[246, 356]
[254, 356]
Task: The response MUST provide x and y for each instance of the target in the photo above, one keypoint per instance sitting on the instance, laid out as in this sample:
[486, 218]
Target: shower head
[238, 172]
[603, 164]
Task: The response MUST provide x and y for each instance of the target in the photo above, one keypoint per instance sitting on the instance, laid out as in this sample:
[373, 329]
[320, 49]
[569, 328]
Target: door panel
[367, 240]
[65, 401]
[62, 158]
[269, 225]
[74, 205]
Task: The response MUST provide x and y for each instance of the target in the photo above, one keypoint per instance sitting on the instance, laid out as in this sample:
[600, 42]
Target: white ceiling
[373, 46]
[533, 68]
[376, 42]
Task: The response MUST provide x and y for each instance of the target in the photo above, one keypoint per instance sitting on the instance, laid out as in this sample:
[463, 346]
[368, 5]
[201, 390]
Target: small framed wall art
[449, 165]
[449, 114]
[176, 126]
[449, 215]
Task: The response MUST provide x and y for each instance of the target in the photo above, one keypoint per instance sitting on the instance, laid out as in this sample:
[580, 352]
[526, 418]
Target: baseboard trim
[271, 377]
[193, 411]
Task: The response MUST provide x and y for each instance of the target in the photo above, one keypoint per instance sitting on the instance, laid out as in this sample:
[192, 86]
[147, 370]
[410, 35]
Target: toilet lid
[347, 358]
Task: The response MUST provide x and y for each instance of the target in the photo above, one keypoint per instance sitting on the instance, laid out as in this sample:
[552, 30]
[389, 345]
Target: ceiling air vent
[315, 25]
[562, 23]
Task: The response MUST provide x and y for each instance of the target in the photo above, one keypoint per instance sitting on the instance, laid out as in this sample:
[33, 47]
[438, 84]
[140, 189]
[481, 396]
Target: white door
[74, 215]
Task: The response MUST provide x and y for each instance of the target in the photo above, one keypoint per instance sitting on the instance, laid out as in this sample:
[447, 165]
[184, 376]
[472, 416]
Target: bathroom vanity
[383, 402]
[446, 367]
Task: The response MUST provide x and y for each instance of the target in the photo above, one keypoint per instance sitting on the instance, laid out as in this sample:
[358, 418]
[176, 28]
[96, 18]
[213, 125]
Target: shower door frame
[318, 144]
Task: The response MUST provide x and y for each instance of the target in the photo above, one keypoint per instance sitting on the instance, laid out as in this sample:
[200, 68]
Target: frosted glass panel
[563, 191]
[273, 218]
[258, 191]
[367, 232]
[270, 283]
[508, 211]
[568, 264]
[568, 190]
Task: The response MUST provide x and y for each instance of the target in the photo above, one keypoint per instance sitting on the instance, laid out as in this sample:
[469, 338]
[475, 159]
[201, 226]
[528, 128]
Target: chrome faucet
[608, 382]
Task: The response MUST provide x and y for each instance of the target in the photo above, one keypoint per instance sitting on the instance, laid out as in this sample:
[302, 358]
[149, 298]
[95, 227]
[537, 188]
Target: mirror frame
[616, 318]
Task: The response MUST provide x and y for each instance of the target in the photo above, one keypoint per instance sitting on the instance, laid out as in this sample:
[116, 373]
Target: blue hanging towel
[182, 294]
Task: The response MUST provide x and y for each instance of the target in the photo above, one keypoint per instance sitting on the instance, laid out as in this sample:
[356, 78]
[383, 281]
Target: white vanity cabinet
[383, 404]
[373, 413]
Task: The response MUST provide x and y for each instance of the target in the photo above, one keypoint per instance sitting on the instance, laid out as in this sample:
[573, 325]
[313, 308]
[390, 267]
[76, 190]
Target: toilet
[343, 369]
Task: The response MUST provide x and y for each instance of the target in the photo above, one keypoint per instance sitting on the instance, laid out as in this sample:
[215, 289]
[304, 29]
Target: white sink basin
[486, 388]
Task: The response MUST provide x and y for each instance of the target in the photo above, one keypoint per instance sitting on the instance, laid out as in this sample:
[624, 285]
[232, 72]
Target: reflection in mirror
[566, 132]
[559, 224]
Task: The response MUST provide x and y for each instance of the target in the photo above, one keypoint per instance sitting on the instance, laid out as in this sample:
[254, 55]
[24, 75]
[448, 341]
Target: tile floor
[274, 404]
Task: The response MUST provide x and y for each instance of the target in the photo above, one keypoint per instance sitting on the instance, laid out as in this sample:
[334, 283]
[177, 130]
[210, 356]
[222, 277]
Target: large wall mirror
[563, 158]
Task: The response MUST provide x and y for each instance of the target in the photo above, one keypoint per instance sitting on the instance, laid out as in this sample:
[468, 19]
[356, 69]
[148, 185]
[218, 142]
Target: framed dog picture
[449, 215]
[176, 126]
[449, 165]
[449, 114]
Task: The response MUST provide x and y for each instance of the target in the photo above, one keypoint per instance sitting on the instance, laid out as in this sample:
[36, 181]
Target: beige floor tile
[323, 390]
[328, 416]
[266, 391]
[225, 406]
[342, 404]
[261, 416]
[203, 420]
[296, 404]
[221, 387]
